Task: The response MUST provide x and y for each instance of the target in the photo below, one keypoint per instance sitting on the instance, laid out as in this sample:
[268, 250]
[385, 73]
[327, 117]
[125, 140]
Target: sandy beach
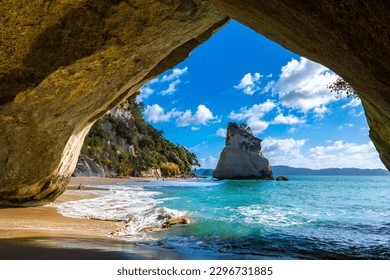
[42, 233]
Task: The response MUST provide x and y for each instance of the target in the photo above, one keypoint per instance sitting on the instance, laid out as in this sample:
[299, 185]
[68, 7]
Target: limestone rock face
[87, 167]
[242, 158]
[152, 173]
[65, 63]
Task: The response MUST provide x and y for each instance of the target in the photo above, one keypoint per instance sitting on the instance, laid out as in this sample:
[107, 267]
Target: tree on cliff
[245, 126]
[342, 86]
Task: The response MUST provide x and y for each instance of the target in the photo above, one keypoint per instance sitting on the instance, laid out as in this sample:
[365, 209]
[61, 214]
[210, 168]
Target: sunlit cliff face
[66, 63]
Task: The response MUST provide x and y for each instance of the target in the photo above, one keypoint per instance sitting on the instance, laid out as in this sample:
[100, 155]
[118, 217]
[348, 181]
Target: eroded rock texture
[242, 157]
[64, 63]
[350, 37]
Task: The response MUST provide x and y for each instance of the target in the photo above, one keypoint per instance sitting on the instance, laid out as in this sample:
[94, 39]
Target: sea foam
[273, 216]
[135, 207]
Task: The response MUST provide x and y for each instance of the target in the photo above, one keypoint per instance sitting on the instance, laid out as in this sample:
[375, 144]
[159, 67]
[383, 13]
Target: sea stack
[242, 159]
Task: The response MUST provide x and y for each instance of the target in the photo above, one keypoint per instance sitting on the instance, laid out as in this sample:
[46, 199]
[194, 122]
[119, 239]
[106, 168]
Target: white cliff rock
[242, 157]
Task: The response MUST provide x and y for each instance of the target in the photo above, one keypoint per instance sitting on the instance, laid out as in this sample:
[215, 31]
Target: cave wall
[66, 62]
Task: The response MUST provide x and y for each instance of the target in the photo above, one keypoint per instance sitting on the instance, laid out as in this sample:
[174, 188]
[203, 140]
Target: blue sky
[239, 75]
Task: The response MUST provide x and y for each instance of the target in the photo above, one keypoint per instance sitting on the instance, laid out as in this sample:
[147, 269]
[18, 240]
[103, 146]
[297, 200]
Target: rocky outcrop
[151, 173]
[174, 222]
[65, 63]
[242, 157]
[281, 178]
[165, 225]
[87, 167]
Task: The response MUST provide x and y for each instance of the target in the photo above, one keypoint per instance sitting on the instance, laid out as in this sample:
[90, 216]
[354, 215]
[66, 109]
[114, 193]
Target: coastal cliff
[242, 157]
[122, 144]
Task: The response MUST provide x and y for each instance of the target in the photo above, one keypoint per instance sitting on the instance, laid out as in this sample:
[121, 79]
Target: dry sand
[42, 233]
[77, 181]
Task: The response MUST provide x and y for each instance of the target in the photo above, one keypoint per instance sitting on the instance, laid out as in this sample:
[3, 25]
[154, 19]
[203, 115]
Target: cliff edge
[242, 157]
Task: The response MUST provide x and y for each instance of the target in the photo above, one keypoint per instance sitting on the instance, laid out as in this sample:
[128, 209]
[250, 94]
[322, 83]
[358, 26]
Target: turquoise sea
[308, 217]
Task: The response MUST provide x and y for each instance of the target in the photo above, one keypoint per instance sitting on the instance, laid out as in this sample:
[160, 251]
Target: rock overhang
[64, 63]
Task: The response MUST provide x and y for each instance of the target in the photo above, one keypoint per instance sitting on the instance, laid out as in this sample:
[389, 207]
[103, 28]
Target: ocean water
[308, 217]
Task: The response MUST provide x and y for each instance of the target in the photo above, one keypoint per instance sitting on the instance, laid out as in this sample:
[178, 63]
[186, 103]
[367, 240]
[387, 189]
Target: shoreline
[83, 181]
[42, 233]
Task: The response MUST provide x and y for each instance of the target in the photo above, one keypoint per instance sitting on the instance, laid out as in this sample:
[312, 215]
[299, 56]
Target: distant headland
[287, 170]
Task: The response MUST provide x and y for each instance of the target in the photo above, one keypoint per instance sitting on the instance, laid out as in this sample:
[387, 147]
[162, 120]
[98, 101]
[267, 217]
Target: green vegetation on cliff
[122, 143]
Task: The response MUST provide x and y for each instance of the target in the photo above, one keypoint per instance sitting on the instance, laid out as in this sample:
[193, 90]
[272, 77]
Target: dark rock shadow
[78, 34]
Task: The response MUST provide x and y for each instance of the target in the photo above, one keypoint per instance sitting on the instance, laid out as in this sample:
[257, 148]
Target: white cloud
[175, 78]
[176, 73]
[353, 103]
[320, 111]
[253, 116]
[284, 148]
[348, 125]
[289, 119]
[336, 146]
[221, 132]
[302, 85]
[268, 86]
[146, 90]
[156, 114]
[336, 154]
[145, 93]
[171, 88]
[152, 81]
[257, 126]
[209, 162]
[197, 147]
[256, 111]
[284, 151]
[201, 117]
[249, 83]
[353, 113]
[341, 154]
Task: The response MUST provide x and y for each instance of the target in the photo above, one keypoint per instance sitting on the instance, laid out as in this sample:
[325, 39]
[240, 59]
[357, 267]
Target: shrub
[169, 169]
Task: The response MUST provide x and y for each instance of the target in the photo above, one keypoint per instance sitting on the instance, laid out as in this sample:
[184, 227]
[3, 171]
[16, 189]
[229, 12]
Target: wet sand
[42, 233]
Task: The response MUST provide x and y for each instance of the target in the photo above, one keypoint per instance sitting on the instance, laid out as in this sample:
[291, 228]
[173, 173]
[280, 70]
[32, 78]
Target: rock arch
[64, 63]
